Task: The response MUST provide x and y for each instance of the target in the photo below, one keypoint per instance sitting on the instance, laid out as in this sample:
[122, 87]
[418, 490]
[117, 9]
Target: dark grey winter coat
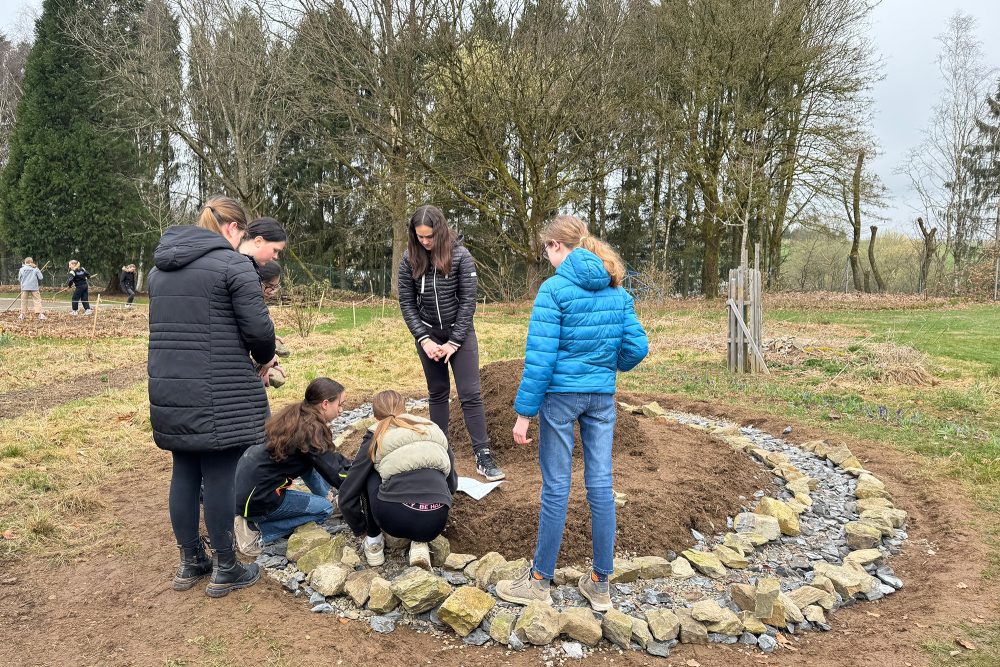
[439, 301]
[206, 313]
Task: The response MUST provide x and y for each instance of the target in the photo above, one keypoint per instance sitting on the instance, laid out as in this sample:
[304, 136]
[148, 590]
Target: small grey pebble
[747, 638]
[316, 598]
[383, 624]
[515, 643]
[766, 643]
[659, 649]
[476, 638]
[716, 638]
[323, 608]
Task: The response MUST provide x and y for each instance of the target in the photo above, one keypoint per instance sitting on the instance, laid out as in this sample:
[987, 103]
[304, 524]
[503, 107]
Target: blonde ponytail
[219, 211]
[388, 406]
[570, 231]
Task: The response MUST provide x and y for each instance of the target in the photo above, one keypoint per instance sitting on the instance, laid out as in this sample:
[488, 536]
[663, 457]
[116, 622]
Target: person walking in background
[401, 481]
[437, 295]
[583, 330]
[299, 443]
[127, 280]
[81, 288]
[207, 323]
[30, 277]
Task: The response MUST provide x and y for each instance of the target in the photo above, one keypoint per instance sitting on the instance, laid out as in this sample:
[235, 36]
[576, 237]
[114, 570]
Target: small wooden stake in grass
[97, 308]
[383, 306]
[354, 314]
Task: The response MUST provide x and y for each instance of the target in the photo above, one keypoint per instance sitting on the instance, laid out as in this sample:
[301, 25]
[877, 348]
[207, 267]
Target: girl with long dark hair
[437, 295]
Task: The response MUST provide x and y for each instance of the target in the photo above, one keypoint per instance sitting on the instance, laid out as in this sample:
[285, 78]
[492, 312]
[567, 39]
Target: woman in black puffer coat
[437, 294]
[207, 318]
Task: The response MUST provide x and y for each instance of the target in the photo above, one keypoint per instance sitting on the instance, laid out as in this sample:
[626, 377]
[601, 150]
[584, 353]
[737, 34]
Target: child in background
[127, 280]
[298, 442]
[401, 481]
[30, 277]
[81, 290]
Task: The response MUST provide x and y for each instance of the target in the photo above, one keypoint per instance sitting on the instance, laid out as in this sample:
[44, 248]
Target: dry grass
[32, 362]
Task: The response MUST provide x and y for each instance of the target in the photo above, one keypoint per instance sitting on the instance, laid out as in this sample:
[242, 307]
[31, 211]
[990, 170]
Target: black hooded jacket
[440, 301]
[206, 319]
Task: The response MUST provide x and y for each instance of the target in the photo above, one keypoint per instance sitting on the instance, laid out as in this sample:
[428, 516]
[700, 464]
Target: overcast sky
[903, 32]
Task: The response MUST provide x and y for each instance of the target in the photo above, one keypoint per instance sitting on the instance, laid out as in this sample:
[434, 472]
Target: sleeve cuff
[422, 338]
[454, 344]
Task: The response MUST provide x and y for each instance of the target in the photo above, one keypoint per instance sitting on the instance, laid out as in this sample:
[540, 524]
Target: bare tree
[879, 282]
[927, 255]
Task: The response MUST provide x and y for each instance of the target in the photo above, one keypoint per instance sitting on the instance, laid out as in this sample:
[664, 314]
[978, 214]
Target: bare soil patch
[41, 398]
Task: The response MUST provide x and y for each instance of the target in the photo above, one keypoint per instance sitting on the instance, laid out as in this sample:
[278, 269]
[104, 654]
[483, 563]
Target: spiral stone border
[819, 542]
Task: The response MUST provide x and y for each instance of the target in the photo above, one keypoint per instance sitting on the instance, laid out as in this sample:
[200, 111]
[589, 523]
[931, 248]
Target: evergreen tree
[65, 191]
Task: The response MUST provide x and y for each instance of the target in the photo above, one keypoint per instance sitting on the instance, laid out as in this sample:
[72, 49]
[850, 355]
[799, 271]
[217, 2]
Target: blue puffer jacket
[582, 332]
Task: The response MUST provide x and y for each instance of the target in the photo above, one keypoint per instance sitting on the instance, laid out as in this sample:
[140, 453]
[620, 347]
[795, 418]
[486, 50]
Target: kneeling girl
[298, 443]
[401, 481]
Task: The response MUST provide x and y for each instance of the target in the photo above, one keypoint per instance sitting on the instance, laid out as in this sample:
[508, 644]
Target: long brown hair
[300, 426]
[444, 240]
[219, 211]
[572, 233]
[388, 405]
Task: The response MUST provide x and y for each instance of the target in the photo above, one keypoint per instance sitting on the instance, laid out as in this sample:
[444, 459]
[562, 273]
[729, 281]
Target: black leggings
[81, 293]
[412, 521]
[218, 470]
[131, 294]
[465, 364]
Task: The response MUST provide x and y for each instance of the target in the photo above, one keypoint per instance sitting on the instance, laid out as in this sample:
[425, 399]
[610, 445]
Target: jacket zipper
[436, 304]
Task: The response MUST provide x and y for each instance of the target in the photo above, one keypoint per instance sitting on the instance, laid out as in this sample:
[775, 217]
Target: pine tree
[65, 191]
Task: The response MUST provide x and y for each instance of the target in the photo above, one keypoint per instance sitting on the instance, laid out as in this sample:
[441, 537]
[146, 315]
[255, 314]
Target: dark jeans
[131, 294]
[465, 364]
[411, 521]
[218, 470]
[81, 293]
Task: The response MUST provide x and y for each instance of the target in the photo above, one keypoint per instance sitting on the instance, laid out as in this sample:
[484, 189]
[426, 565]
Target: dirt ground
[39, 399]
[114, 606]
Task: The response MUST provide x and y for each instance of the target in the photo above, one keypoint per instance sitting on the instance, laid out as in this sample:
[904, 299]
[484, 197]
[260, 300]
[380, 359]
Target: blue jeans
[596, 414]
[316, 483]
[296, 509]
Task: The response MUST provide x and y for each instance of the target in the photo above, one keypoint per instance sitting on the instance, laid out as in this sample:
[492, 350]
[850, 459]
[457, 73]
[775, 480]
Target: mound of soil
[676, 479]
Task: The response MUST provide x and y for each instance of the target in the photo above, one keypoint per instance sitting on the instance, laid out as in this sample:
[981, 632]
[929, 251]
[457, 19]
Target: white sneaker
[248, 540]
[41, 316]
[375, 552]
[74, 313]
[21, 316]
[89, 311]
[420, 555]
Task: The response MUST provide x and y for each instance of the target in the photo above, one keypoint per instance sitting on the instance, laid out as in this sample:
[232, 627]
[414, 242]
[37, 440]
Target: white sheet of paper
[476, 489]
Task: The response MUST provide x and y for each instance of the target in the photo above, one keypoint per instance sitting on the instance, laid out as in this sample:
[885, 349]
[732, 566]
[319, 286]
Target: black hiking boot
[487, 467]
[231, 575]
[195, 565]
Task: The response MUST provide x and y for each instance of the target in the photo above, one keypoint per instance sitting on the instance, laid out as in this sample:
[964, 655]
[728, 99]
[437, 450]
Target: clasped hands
[438, 352]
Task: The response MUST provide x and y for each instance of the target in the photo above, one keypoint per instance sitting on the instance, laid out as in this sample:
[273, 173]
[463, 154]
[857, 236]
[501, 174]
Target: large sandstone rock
[381, 599]
[350, 557]
[880, 523]
[803, 596]
[458, 562]
[873, 503]
[617, 628]
[730, 558]
[862, 536]
[306, 537]
[681, 568]
[511, 570]
[895, 517]
[840, 455]
[692, 632]
[329, 578]
[798, 486]
[465, 609]
[358, 585]
[625, 572]
[739, 542]
[502, 625]
[652, 567]
[418, 590]
[788, 520]
[538, 625]
[653, 410]
[745, 596]
[567, 575]
[848, 581]
[440, 548]
[706, 563]
[663, 624]
[716, 618]
[869, 490]
[765, 596]
[579, 623]
[331, 551]
[814, 614]
[396, 543]
[757, 523]
[777, 617]
[640, 633]
[486, 566]
[792, 612]
[751, 623]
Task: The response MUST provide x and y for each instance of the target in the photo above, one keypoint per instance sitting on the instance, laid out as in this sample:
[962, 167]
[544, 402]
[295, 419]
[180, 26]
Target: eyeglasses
[271, 288]
[545, 249]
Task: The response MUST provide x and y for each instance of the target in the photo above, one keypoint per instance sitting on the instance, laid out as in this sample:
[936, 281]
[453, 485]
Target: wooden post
[97, 308]
[354, 314]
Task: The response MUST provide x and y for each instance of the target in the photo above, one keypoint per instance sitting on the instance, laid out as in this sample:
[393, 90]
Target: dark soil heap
[676, 479]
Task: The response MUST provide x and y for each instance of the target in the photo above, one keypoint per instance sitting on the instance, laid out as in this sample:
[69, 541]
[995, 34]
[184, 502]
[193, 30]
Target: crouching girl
[298, 443]
[401, 481]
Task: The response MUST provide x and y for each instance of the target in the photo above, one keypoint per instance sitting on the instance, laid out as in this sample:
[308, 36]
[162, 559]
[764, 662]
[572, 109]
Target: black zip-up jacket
[417, 486]
[206, 319]
[78, 278]
[261, 481]
[127, 280]
[439, 301]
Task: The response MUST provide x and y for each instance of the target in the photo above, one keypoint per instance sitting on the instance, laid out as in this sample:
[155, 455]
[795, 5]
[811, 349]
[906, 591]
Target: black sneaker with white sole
[487, 467]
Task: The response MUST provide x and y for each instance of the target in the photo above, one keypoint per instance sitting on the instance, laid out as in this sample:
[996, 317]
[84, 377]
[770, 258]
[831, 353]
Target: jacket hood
[181, 245]
[585, 270]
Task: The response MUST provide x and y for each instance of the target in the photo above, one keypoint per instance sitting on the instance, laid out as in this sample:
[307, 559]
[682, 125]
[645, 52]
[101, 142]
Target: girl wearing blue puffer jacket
[583, 330]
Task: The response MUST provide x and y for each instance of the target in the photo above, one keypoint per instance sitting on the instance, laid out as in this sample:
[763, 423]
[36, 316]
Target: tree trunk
[880, 284]
[856, 272]
[930, 246]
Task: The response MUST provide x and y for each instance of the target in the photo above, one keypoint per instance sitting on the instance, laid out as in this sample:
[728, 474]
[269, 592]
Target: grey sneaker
[375, 553]
[248, 540]
[487, 467]
[41, 316]
[89, 311]
[524, 590]
[597, 592]
[420, 555]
